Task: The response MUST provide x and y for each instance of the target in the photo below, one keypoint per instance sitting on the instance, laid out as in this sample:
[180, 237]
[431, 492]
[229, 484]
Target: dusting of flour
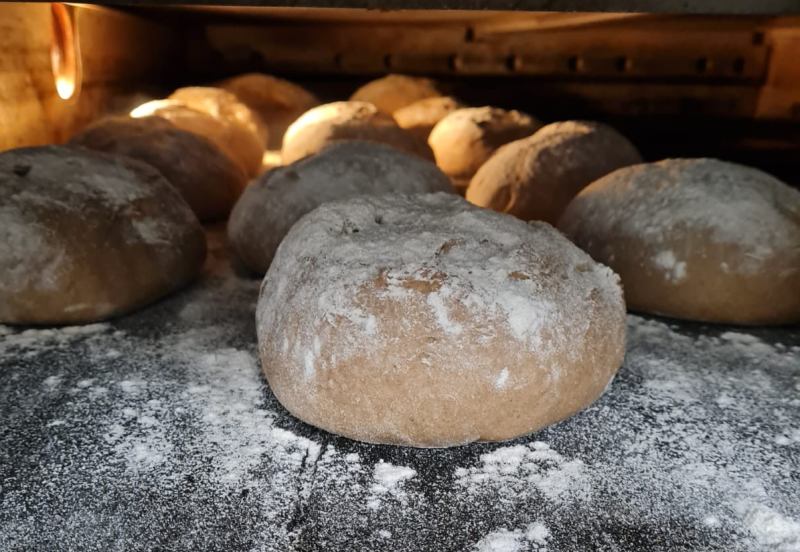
[353, 275]
[156, 432]
[689, 202]
[533, 537]
[61, 205]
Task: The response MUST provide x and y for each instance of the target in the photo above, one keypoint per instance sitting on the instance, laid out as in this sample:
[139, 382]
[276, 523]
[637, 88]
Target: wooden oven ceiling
[728, 7]
[614, 63]
[680, 84]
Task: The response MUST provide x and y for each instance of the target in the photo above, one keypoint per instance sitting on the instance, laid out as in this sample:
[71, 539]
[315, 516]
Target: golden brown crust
[698, 239]
[86, 236]
[394, 92]
[226, 137]
[420, 117]
[536, 177]
[340, 121]
[272, 203]
[245, 129]
[424, 321]
[277, 101]
[206, 178]
[463, 140]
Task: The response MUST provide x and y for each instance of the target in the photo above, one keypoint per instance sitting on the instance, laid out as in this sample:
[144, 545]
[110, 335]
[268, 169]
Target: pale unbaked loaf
[231, 139]
[337, 121]
[393, 92]
[425, 321]
[463, 140]
[277, 101]
[699, 239]
[274, 202]
[206, 178]
[85, 236]
[420, 117]
[244, 124]
[536, 177]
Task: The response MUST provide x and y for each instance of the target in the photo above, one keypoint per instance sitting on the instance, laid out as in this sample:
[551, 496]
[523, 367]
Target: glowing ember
[65, 87]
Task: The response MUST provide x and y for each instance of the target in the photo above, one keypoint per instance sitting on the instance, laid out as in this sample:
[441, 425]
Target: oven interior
[156, 431]
[725, 86]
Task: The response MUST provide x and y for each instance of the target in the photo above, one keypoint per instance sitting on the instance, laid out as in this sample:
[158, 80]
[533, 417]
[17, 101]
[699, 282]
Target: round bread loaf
[339, 121]
[230, 138]
[393, 92]
[420, 117]
[274, 202]
[277, 101]
[206, 178]
[699, 239]
[536, 177]
[244, 125]
[466, 138]
[425, 321]
[85, 236]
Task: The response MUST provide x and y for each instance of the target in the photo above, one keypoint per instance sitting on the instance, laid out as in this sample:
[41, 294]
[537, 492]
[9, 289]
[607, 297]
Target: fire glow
[64, 52]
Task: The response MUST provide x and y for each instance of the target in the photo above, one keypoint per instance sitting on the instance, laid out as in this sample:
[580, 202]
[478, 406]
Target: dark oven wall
[678, 85]
[104, 60]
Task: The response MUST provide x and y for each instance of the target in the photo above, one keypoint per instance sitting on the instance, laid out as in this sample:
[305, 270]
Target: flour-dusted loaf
[85, 236]
[699, 239]
[393, 92]
[463, 140]
[536, 177]
[277, 101]
[425, 321]
[206, 178]
[229, 138]
[337, 121]
[274, 202]
[244, 124]
[420, 117]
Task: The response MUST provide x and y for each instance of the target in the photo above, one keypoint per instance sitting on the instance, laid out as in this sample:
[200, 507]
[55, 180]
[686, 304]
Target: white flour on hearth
[681, 438]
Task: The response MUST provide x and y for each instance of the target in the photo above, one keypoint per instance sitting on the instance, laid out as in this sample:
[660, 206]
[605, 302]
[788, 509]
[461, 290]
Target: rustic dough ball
[466, 138]
[277, 101]
[536, 177]
[699, 239]
[245, 127]
[227, 137]
[420, 117]
[85, 236]
[274, 202]
[425, 321]
[338, 121]
[206, 178]
[392, 92]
